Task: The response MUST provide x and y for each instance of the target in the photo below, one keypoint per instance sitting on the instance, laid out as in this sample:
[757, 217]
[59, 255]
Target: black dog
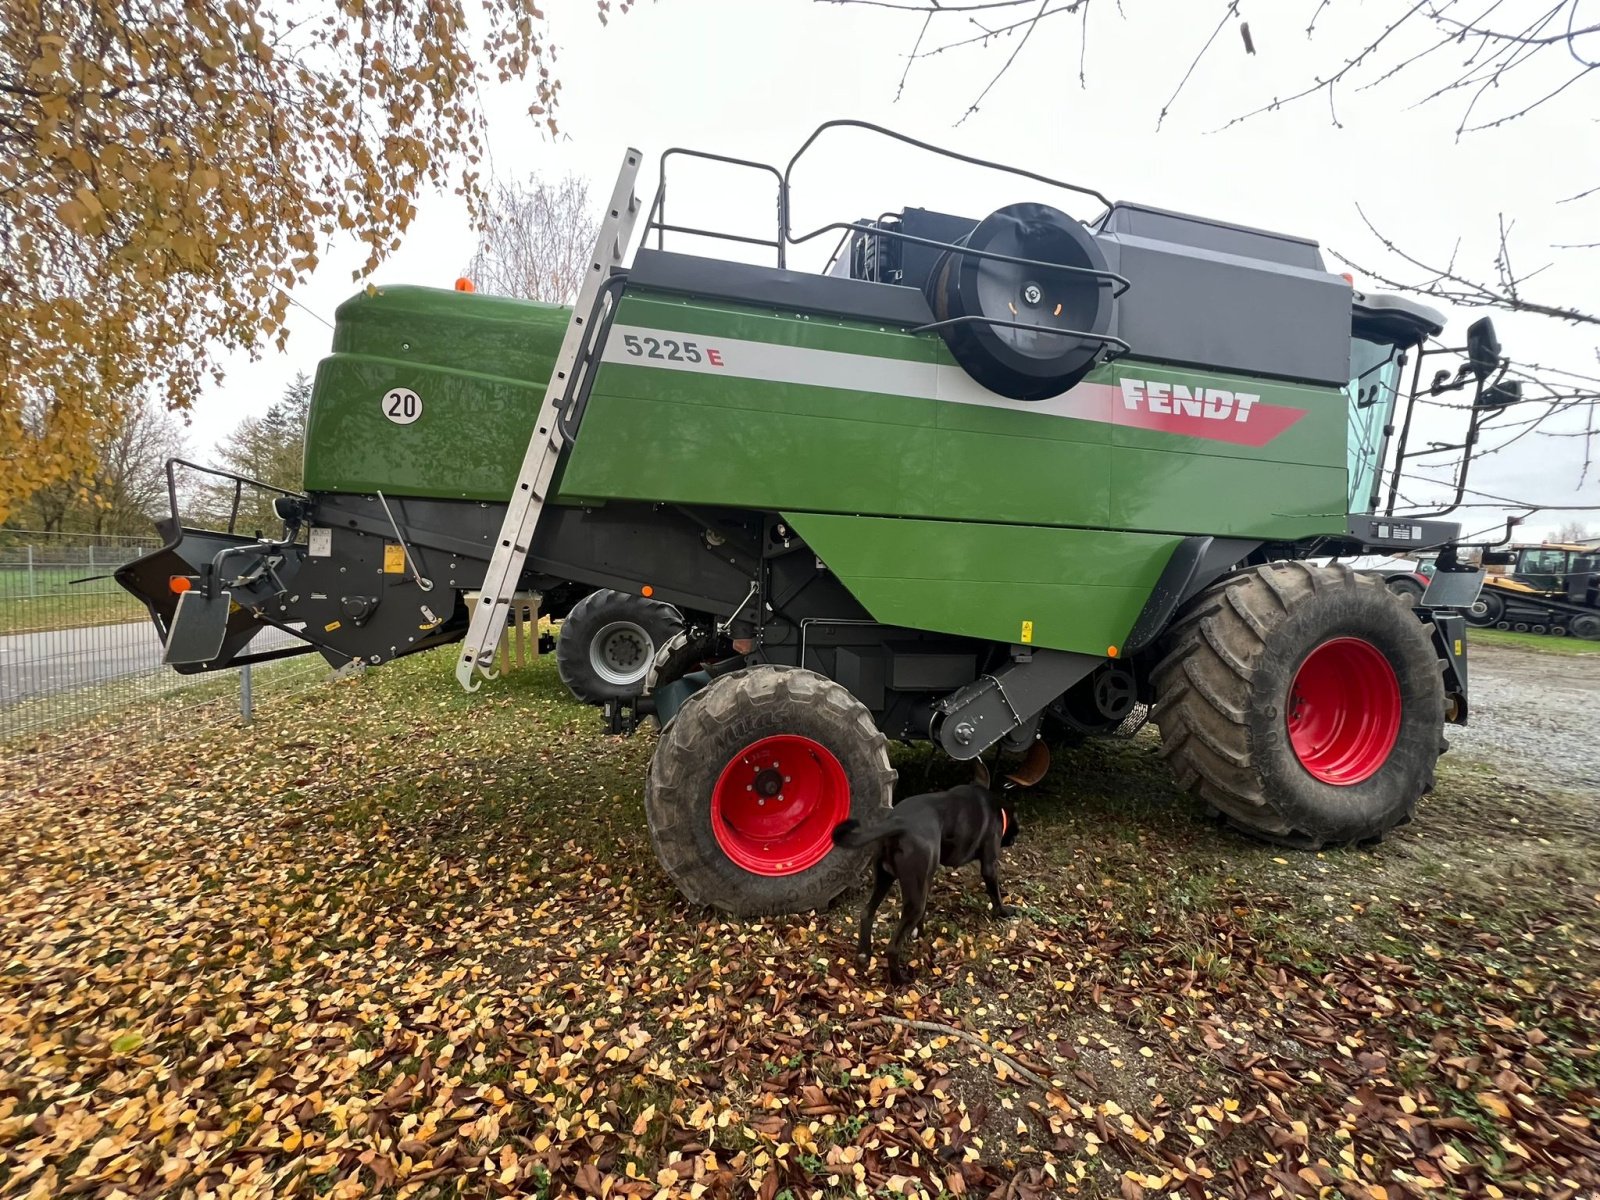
[924, 833]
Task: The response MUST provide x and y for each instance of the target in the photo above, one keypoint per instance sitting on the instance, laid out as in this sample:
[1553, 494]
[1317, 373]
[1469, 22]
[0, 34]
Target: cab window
[1369, 397]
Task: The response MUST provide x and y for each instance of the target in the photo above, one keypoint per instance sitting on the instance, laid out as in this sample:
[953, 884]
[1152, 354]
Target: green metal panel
[1077, 589]
[480, 365]
[699, 437]
[725, 442]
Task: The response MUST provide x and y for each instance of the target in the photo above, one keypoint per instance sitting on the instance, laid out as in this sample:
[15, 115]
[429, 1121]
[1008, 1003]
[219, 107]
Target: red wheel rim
[775, 804]
[1344, 711]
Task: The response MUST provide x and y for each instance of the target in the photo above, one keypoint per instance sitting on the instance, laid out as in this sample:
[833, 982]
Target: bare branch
[912, 57]
[1491, 34]
[933, 6]
[1339, 75]
[535, 240]
[1231, 11]
[986, 34]
[1015, 50]
[1448, 285]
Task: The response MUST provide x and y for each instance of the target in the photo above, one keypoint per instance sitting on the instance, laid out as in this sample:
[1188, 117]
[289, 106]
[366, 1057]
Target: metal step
[544, 448]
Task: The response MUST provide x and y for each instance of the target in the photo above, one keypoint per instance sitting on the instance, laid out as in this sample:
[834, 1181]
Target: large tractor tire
[1305, 704]
[748, 782]
[608, 642]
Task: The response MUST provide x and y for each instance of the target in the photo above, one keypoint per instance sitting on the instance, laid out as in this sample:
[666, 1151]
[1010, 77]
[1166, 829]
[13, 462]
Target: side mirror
[1501, 395]
[1483, 348]
[1499, 558]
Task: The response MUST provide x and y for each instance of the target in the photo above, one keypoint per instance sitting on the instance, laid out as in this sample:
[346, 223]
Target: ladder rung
[544, 447]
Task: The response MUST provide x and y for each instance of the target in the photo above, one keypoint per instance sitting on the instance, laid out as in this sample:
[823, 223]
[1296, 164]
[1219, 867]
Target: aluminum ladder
[544, 448]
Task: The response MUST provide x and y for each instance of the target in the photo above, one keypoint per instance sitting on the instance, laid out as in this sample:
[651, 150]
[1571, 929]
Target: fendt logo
[1214, 414]
[1213, 404]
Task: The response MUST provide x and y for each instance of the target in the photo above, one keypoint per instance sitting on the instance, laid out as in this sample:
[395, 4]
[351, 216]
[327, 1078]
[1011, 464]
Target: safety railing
[657, 223]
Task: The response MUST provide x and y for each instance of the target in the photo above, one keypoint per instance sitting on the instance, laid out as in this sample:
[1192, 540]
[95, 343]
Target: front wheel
[748, 781]
[608, 642]
[1304, 703]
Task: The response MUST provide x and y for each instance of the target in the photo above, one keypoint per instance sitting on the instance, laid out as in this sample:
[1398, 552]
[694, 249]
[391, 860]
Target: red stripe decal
[1212, 414]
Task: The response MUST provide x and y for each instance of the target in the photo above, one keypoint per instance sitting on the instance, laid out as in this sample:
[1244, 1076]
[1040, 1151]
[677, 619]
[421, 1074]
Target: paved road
[34, 665]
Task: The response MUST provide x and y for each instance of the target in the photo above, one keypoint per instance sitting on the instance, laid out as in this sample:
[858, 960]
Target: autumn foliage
[393, 941]
[169, 171]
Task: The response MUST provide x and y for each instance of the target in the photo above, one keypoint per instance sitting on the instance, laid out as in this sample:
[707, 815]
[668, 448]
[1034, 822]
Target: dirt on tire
[1226, 688]
[708, 733]
[591, 618]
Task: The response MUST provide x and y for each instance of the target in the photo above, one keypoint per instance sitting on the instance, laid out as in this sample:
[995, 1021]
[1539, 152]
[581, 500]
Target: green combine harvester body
[981, 483]
[1057, 516]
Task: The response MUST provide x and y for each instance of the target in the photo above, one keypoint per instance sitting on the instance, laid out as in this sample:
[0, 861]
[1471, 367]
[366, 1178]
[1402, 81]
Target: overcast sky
[753, 78]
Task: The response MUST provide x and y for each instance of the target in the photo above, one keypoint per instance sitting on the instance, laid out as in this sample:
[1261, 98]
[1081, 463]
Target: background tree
[536, 239]
[270, 448]
[1573, 531]
[123, 489]
[170, 168]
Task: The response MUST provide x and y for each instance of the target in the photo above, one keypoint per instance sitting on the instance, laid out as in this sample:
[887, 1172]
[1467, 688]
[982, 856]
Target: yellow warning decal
[233, 607]
[394, 559]
[331, 626]
[1458, 647]
[1027, 633]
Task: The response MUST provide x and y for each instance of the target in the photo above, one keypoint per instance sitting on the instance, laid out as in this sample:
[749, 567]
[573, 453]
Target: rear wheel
[608, 642]
[1303, 703]
[1586, 627]
[748, 781]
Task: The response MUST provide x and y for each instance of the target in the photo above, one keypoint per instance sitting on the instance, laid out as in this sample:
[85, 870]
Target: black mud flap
[198, 630]
[1457, 588]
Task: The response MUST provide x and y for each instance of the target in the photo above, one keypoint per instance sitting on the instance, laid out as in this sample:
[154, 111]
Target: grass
[46, 599]
[396, 938]
[1539, 642]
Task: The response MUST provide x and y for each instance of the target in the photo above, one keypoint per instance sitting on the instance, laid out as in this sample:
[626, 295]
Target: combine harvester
[979, 480]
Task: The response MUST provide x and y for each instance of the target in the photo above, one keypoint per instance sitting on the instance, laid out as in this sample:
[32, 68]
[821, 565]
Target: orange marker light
[1348, 278]
[647, 591]
[179, 584]
[1111, 651]
[465, 285]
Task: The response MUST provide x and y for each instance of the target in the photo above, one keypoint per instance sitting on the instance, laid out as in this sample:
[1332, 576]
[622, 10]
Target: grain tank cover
[1212, 294]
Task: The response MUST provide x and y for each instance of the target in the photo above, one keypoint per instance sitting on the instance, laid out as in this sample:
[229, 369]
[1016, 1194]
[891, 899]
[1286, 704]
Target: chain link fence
[77, 651]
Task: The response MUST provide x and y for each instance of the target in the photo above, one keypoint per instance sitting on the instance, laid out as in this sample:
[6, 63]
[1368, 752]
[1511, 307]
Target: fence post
[245, 705]
[33, 593]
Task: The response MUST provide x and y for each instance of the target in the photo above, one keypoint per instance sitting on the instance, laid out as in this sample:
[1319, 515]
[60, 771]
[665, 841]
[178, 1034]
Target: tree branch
[1447, 284]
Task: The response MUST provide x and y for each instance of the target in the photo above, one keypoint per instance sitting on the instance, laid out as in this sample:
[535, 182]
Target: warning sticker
[319, 543]
[331, 626]
[1027, 633]
[394, 559]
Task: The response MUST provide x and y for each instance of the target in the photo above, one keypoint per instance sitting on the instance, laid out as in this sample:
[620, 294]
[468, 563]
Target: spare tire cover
[1024, 364]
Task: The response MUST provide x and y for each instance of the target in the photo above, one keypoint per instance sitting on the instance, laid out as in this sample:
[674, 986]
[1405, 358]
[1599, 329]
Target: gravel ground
[1539, 713]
